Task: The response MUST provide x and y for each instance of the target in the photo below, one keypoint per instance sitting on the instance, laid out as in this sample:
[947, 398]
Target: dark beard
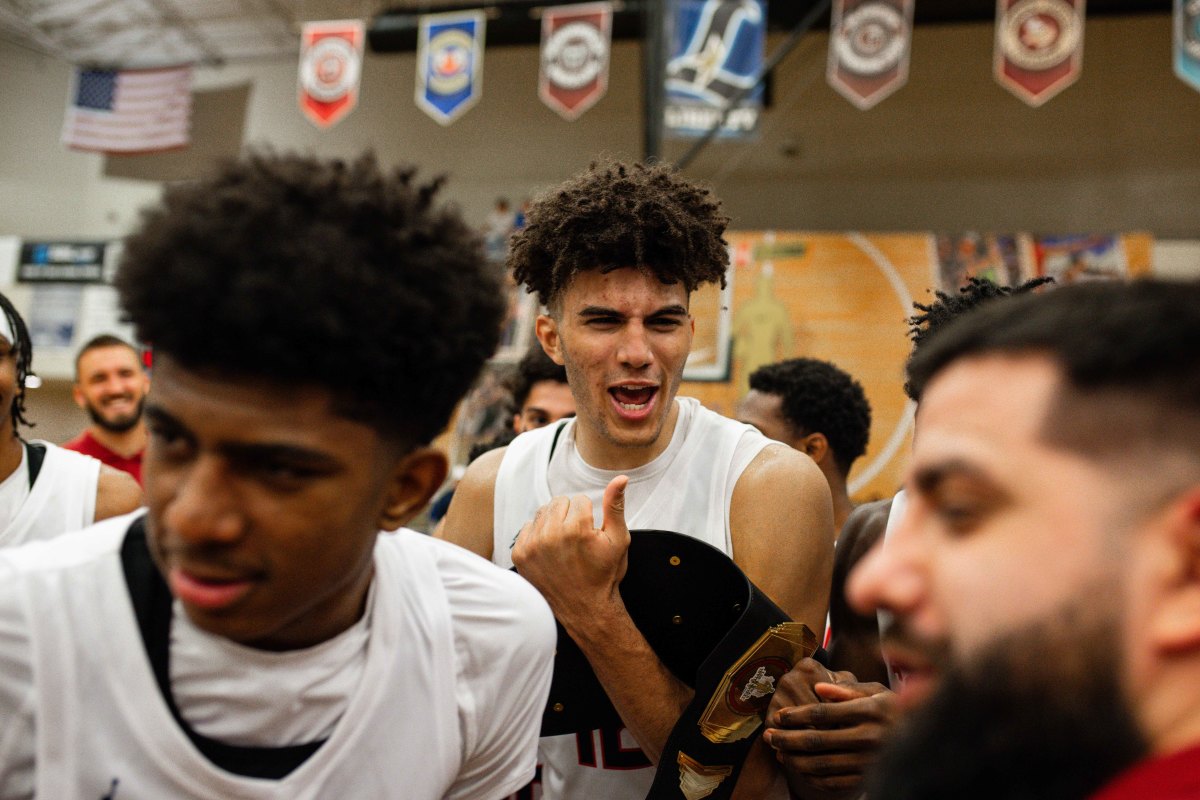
[118, 425]
[1040, 714]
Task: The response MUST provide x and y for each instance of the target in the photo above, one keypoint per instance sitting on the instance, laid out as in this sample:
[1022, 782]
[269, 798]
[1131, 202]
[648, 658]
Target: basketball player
[1045, 575]
[540, 392]
[254, 634]
[111, 386]
[817, 408]
[45, 490]
[614, 255]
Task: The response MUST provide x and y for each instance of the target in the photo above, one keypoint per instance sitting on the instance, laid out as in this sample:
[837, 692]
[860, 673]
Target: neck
[11, 450]
[603, 453]
[841, 498]
[125, 444]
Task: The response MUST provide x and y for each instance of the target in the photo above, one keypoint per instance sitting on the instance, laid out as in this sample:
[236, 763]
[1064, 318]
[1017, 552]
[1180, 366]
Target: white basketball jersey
[62, 498]
[457, 669]
[687, 489]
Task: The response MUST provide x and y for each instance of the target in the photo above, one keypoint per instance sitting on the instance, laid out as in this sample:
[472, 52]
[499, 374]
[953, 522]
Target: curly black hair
[619, 215]
[819, 397]
[24, 353]
[949, 307]
[308, 272]
[534, 367]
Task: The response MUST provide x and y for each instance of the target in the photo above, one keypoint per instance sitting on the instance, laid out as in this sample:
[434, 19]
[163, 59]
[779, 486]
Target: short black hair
[819, 397]
[1113, 341]
[326, 273]
[24, 352]
[102, 340]
[534, 367]
[948, 307]
[618, 215]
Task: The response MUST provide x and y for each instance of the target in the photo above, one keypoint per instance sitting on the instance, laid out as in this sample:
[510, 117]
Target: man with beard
[1045, 575]
[111, 386]
[614, 255]
[45, 490]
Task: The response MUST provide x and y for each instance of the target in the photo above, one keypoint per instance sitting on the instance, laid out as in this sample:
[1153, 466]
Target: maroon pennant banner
[869, 46]
[576, 41]
[330, 65]
[1039, 47]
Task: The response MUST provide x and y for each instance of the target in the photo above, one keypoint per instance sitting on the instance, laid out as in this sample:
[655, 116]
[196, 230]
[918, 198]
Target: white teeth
[632, 406]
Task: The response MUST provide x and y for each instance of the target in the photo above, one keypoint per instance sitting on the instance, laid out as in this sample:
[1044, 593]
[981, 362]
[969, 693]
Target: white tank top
[62, 498]
[687, 489]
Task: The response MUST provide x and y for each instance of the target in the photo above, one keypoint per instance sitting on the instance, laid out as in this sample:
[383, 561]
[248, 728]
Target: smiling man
[1045, 574]
[111, 386]
[614, 255]
[254, 634]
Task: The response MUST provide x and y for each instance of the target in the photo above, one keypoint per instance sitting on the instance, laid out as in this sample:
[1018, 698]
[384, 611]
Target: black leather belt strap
[716, 632]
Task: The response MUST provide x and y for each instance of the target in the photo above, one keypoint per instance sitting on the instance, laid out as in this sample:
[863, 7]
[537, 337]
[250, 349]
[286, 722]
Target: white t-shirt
[447, 703]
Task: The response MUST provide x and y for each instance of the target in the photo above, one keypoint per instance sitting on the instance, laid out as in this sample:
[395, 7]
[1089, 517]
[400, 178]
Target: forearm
[646, 695]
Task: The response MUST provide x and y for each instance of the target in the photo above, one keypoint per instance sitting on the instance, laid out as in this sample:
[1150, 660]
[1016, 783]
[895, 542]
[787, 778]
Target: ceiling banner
[869, 46]
[716, 54]
[576, 41]
[1039, 47]
[450, 64]
[330, 67]
[1187, 42]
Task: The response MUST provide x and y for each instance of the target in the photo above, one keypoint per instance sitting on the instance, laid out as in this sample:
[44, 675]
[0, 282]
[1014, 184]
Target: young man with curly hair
[254, 634]
[614, 256]
[45, 490]
[817, 408]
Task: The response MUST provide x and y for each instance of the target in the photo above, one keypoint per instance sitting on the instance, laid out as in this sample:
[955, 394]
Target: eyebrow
[928, 478]
[253, 452]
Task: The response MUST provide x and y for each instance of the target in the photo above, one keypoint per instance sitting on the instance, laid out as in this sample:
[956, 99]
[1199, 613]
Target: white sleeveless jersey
[457, 670]
[62, 498]
[687, 489]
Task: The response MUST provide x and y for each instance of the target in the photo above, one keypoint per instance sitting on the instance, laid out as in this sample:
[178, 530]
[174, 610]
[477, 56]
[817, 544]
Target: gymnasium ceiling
[144, 33]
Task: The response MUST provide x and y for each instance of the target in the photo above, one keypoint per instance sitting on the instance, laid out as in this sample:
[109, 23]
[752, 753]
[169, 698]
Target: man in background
[540, 392]
[1045, 575]
[111, 385]
[816, 408]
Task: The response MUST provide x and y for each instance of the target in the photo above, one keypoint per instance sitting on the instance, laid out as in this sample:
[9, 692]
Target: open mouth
[915, 677]
[209, 593]
[633, 402]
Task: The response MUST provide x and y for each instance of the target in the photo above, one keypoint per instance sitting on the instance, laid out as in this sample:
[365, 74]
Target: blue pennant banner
[1187, 42]
[450, 64]
[716, 54]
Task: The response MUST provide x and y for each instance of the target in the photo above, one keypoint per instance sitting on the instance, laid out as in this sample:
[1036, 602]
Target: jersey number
[614, 754]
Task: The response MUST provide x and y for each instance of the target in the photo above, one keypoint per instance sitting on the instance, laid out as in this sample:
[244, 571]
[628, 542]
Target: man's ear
[546, 329]
[816, 446]
[1175, 623]
[77, 395]
[412, 483]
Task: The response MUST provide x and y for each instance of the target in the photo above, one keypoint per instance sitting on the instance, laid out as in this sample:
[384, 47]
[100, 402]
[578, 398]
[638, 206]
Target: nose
[204, 508]
[634, 349]
[891, 576]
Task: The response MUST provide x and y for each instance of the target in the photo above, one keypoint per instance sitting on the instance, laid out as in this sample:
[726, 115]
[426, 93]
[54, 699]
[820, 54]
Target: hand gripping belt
[715, 631]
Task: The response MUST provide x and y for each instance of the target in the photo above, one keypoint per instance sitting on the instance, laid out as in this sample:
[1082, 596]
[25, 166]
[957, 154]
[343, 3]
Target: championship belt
[715, 631]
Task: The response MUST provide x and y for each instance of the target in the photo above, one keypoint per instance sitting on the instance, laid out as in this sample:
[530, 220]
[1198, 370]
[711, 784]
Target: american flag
[129, 111]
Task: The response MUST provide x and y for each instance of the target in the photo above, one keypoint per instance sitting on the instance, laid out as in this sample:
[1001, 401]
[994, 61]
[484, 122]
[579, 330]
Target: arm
[854, 645]
[17, 699]
[117, 493]
[783, 541]
[468, 521]
[578, 568]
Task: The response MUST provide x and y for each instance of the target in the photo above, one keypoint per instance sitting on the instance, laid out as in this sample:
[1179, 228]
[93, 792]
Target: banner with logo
[715, 56]
[1039, 47]
[576, 41]
[330, 68]
[1187, 42]
[450, 64]
[869, 46]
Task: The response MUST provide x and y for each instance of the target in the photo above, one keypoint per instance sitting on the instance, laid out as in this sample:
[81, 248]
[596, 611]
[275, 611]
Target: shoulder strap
[36, 453]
